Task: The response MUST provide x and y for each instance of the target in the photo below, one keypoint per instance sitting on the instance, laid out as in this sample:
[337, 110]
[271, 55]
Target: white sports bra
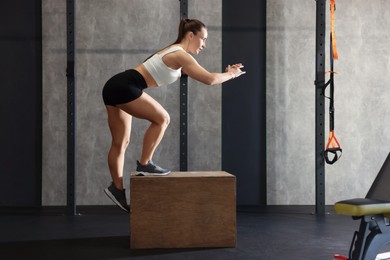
[161, 73]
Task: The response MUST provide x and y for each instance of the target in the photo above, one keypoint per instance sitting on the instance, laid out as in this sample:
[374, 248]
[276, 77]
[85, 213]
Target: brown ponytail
[188, 25]
[185, 26]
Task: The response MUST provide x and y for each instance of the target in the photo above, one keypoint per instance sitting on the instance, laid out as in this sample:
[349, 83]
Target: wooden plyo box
[183, 210]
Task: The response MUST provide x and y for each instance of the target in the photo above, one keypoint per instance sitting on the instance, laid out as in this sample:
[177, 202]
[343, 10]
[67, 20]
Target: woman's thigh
[145, 107]
[119, 123]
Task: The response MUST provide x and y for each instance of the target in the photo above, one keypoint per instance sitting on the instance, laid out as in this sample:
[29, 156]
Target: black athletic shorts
[123, 87]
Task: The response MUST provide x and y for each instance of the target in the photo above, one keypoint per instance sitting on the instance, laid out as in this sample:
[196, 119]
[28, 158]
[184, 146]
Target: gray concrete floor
[274, 232]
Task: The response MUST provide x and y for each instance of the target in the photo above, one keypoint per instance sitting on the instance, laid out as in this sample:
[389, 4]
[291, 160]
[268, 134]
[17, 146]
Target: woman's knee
[120, 145]
[162, 119]
[165, 119]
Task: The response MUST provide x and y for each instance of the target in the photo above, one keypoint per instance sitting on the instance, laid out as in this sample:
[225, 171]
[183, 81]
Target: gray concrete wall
[116, 35]
[112, 36]
[361, 99]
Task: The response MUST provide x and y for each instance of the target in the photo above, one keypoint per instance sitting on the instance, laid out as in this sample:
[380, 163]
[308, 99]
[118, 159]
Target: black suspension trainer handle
[336, 152]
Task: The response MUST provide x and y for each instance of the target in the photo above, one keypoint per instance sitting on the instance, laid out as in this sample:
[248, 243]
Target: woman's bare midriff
[150, 82]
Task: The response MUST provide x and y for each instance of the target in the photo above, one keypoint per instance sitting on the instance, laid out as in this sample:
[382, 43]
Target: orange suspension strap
[333, 150]
[333, 35]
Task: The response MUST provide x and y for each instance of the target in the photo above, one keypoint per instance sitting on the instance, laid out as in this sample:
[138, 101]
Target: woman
[124, 98]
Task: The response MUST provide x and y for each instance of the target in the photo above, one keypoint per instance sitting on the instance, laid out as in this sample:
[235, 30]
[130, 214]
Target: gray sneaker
[150, 169]
[118, 197]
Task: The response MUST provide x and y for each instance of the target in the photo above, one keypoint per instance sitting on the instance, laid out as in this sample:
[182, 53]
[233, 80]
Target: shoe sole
[112, 197]
[152, 174]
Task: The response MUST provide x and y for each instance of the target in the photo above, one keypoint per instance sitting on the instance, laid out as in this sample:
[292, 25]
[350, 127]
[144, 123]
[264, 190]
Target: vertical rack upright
[71, 135]
[320, 107]
[183, 104]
